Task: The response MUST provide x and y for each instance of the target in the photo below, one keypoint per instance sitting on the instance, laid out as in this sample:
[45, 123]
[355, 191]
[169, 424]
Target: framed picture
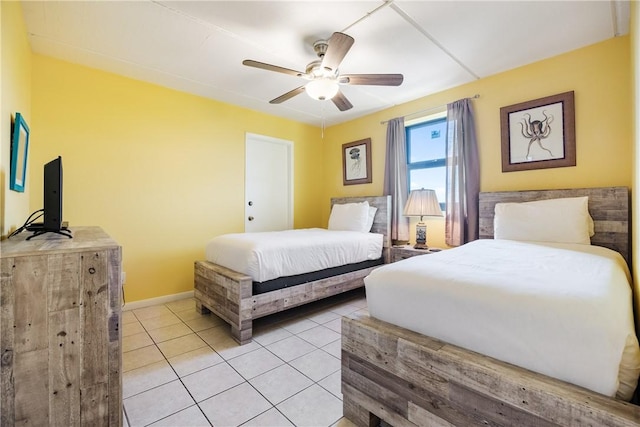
[539, 134]
[19, 150]
[356, 162]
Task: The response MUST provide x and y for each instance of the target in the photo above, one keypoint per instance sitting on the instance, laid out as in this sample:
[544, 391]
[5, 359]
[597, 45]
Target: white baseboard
[156, 301]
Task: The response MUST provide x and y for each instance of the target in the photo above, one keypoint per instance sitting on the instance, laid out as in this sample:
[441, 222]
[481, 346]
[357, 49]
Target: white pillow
[349, 217]
[372, 215]
[565, 220]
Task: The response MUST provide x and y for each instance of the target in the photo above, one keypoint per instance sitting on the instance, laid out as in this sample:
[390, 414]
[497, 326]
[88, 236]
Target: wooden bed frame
[409, 379]
[228, 294]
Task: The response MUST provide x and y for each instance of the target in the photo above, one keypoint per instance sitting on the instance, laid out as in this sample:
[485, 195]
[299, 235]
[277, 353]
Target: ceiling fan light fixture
[323, 76]
[322, 88]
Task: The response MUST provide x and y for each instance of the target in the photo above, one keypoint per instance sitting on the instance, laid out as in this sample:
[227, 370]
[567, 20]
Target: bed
[233, 295]
[408, 378]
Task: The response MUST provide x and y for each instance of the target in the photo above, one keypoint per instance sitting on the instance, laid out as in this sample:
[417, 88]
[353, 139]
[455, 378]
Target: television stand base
[63, 232]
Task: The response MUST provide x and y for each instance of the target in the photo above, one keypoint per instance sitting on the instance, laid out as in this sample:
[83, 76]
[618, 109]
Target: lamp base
[421, 236]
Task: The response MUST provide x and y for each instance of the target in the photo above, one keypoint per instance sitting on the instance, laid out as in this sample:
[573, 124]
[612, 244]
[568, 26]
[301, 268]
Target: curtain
[395, 178]
[463, 175]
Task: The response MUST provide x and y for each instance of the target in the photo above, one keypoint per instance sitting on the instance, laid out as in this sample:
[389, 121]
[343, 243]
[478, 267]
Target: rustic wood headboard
[608, 206]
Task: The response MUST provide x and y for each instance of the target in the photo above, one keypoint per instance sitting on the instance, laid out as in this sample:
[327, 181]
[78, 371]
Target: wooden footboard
[228, 294]
[408, 379]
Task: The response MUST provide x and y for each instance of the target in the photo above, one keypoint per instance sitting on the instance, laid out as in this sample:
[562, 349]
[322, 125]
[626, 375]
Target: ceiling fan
[324, 78]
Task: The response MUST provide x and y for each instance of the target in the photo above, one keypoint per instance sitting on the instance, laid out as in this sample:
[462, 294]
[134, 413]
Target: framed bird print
[356, 162]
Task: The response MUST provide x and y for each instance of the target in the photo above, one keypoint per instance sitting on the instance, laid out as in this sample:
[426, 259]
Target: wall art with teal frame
[19, 151]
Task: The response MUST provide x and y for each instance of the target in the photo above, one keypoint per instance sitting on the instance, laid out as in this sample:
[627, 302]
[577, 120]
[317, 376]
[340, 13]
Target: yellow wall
[163, 171]
[160, 170]
[15, 77]
[599, 74]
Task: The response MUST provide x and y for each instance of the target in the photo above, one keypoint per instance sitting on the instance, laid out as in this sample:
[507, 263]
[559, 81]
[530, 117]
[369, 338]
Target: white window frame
[414, 122]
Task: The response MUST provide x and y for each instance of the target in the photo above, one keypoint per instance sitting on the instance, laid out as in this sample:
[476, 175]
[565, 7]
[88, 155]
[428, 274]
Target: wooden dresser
[60, 330]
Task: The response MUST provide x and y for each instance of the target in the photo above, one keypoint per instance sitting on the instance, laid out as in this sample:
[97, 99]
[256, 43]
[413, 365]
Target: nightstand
[403, 252]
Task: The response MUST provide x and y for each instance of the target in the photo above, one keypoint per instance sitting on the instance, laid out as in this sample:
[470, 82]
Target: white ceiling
[198, 46]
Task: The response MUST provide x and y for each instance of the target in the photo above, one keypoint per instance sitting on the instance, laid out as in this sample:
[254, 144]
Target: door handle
[250, 218]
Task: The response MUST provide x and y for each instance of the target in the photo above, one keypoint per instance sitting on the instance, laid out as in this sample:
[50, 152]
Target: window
[426, 154]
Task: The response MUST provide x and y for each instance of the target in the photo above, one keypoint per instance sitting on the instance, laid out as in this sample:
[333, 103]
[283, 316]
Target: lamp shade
[422, 203]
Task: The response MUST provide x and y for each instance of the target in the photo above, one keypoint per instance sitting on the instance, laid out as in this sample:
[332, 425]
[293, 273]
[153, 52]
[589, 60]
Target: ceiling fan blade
[339, 45]
[269, 67]
[287, 95]
[341, 102]
[372, 79]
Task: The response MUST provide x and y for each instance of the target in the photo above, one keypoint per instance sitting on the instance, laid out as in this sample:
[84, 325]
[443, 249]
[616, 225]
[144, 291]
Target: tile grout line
[297, 370]
[224, 360]
[177, 375]
[246, 380]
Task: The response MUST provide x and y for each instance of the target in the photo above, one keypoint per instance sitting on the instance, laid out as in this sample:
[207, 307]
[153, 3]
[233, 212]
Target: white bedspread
[269, 255]
[560, 310]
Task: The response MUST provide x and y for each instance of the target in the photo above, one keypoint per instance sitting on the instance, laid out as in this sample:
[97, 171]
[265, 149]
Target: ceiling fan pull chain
[322, 114]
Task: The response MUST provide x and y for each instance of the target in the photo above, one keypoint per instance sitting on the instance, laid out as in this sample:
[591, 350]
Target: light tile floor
[183, 369]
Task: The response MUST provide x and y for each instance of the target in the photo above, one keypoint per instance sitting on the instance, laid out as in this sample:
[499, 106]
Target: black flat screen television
[53, 195]
[52, 211]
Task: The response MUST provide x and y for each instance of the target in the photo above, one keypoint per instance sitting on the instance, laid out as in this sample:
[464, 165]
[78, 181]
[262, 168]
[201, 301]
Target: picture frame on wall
[19, 151]
[356, 162]
[539, 134]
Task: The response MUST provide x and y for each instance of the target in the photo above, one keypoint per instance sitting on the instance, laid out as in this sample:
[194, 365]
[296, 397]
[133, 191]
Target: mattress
[556, 309]
[299, 279]
[268, 255]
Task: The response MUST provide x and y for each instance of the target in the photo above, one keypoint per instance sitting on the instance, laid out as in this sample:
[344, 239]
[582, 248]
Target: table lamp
[422, 203]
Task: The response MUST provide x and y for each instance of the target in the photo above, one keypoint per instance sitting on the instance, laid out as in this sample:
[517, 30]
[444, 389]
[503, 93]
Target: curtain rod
[476, 96]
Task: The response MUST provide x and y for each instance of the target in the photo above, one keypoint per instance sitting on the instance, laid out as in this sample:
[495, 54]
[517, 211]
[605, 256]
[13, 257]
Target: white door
[268, 184]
